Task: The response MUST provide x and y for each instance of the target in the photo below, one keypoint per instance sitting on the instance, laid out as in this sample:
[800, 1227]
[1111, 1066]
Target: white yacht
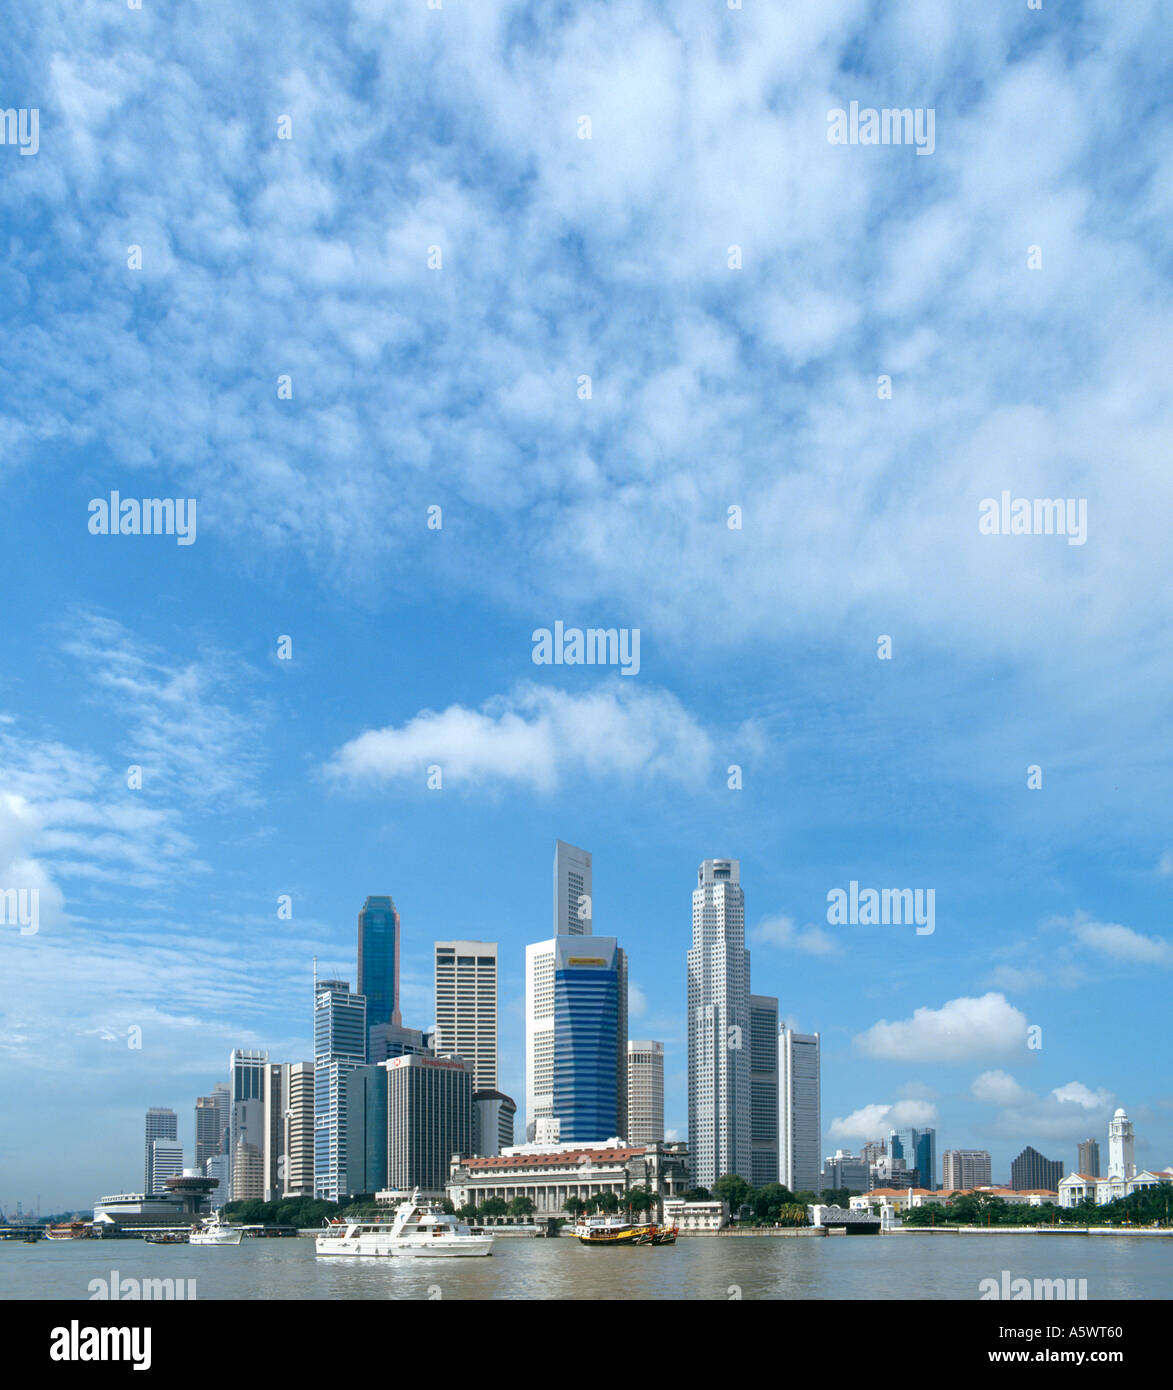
[212, 1231]
[419, 1228]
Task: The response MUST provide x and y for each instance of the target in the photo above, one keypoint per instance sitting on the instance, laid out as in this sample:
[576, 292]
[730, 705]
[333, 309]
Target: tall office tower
[161, 1124]
[429, 1118]
[246, 1071]
[492, 1123]
[1089, 1159]
[387, 1040]
[964, 1169]
[573, 893]
[166, 1161]
[340, 1045]
[211, 1122]
[918, 1149]
[378, 960]
[276, 1131]
[248, 1150]
[719, 1102]
[1031, 1172]
[299, 1143]
[466, 1006]
[645, 1092]
[1121, 1160]
[575, 1028]
[763, 1088]
[366, 1130]
[799, 1113]
[219, 1166]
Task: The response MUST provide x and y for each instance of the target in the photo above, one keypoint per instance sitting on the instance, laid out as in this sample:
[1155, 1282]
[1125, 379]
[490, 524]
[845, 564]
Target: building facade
[466, 1006]
[800, 1137]
[573, 891]
[212, 1123]
[844, 1170]
[493, 1118]
[298, 1178]
[340, 1045]
[429, 1119]
[161, 1123]
[763, 1089]
[166, 1161]
[966, 1168]
[246, 1071]
[1031, 1171]
[918, 1148]
[719, 1103]
[1121, 1142]
[366, 1130]
[1088, 1161]
[378, 960]
[645, 1092]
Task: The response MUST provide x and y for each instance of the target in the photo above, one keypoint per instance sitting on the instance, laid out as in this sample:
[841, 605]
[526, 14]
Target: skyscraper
[1031, 1172]
[763, 1088]
[493, 1115]
[799, 1112]
[1089, 1159]
[964, 1169]
[573, 901]
[719, 1104]
[429, 1118]
[340, 1045]
[1121, 1158]
[161, 1123]
[918, 1149]
[278, 1081]
[466, 1006]
[366, 1130]
[299, 1145]
[378, 960]
[246, 1070]
[211, 1122]
[645, 1092]
[166, 1161]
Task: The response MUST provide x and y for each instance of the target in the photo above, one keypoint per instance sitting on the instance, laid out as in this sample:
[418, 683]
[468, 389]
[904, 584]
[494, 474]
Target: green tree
[732, 1189]
[698, 1194]
[521, 1206]
[494, 1207]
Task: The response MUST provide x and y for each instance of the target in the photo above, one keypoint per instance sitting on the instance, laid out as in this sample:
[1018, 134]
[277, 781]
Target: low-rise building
[693, 1218]
[1076, 1187]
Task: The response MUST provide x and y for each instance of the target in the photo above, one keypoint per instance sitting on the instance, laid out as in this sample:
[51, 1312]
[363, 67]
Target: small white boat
[212, 1231]
[419, 1228]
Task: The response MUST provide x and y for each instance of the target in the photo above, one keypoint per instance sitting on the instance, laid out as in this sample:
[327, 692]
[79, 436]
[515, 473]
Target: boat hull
[214, 1238]
[406, 1249]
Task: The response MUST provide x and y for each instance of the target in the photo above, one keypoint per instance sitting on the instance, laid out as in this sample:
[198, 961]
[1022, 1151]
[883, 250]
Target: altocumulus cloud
[533, 737]
[962, 1028]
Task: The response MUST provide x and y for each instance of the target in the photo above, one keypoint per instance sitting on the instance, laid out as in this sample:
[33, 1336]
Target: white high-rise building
[298, 1177]
[645, 1092]
[799, 1115]
[166, 1162]
[719, 1104]
[964, 1169]
[162, 1123]
[466, 1006]
[573, 914]
[1121, 1159]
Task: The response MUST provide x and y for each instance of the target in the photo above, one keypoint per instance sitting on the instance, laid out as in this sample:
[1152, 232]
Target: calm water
[867, 1267]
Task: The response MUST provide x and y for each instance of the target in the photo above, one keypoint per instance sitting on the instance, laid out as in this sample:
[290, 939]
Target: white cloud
[958, 1031]
[998, 1088]
[534, 737]
[1067, 1113]
[874, 1121]
[781, 932]
[1123, 944]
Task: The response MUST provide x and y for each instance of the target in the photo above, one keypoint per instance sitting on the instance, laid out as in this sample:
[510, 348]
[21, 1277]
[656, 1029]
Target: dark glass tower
[378, 960]
[587, 1037]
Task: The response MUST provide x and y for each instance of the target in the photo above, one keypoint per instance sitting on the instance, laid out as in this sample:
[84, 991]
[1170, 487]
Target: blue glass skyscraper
[378, 960]
[587, 1016]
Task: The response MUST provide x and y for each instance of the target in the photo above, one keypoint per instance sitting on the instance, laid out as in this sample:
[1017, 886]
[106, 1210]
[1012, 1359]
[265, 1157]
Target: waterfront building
[429, 1118]
[1088, 1160]
[183, 1200]
[918, 1148]
[550, 1177]
[340, 1045]
[573, 900]
[161, 1123]
[166, 1161]
[645, 1092]
[844, 1170]
[246, 1071]
[277, 1103]
[211, 1122]
[719, 1100]
[466, 1006]
[248, 1170]
[800, 1135]
[695, 1218]
[1031, 1170]
[576, 1034]
[378, 960]
[366, 1130]
[965, 1168]
[299, 1142]
[493, 1116]
[763, 1088]
[218, 1167]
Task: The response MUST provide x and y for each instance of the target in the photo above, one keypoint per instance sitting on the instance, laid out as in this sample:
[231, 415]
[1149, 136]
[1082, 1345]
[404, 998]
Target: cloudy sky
[436, 293]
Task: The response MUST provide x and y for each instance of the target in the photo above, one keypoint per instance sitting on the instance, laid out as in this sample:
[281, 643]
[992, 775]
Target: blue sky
[710, 388]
